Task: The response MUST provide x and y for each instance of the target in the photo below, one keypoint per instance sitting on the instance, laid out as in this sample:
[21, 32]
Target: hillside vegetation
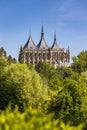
[43, 97]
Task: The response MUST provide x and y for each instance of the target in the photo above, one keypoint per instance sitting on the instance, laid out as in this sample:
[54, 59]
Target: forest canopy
[60, 92]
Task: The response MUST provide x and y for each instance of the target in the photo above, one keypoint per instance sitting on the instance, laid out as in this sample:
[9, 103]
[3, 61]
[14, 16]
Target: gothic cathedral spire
[54, 36]
[55, 45]
[42, 32]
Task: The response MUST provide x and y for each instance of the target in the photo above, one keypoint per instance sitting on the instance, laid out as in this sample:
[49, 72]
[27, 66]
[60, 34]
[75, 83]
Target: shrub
[31, 119]
[19, 85]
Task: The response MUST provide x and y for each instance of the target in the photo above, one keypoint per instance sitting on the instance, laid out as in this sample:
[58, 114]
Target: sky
[20, 18]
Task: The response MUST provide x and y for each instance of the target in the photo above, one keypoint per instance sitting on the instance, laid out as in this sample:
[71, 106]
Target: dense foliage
[19, 85]
[31, 119]
[61, 91]
[9, 58]
[80, 62]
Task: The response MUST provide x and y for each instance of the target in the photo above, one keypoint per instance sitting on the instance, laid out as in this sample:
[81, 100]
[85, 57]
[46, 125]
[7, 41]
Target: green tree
[11, 60]
[80, 62]
[31, 119]
[5, 58]
[20, 85]
[65, 72]
[54, 81]
[49, 75]
[3, 62]
[43, 69]
[70, 103]
[3, 52]
[84, 75]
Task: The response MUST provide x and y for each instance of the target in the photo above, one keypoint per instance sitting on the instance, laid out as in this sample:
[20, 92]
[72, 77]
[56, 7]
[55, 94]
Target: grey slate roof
[42, 44]
[30, 45]
[55, 45]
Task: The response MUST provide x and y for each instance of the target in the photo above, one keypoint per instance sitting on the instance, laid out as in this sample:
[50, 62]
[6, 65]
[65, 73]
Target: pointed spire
[68, 55]
[55, 45]
[30, 32]
[42, 32]
[55, 36]
[68, 50]
[42, 44]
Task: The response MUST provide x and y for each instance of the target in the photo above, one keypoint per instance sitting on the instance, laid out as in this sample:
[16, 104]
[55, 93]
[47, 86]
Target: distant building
[31, 53]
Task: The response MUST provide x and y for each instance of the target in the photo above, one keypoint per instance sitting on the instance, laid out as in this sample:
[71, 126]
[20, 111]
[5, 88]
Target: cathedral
[32, 53]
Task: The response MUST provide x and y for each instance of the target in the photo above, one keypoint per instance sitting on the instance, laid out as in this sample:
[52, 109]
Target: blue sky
[68, 18]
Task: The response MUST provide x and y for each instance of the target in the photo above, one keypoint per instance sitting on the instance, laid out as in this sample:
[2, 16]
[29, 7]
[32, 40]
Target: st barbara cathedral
[32, 53]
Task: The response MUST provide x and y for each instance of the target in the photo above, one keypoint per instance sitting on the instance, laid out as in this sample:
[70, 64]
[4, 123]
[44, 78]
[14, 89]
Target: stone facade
[31, 53]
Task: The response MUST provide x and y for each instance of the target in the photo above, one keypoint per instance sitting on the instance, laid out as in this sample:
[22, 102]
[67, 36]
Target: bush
[19, 85]
[31, 119]
[70, 103]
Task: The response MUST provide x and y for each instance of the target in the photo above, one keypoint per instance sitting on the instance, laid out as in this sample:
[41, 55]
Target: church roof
[30, 45]
[55, 45]
[42, 44]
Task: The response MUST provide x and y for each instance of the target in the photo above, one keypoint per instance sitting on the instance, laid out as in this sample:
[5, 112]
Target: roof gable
[30, 45]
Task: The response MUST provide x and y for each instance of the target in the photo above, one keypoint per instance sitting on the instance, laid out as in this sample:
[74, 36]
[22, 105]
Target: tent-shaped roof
[30, 45]
[42, 44]
[55, 45]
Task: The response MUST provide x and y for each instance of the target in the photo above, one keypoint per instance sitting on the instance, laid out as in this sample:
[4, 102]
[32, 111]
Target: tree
[65, 72]
[3, 62]
[70, 103]
[11, 60]
[80, 62]
[84, 75]
[31, 119]
[43, 68]
[49, 75]
[20, 86]
[54, 81]
[2, 52]
[4, 57]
